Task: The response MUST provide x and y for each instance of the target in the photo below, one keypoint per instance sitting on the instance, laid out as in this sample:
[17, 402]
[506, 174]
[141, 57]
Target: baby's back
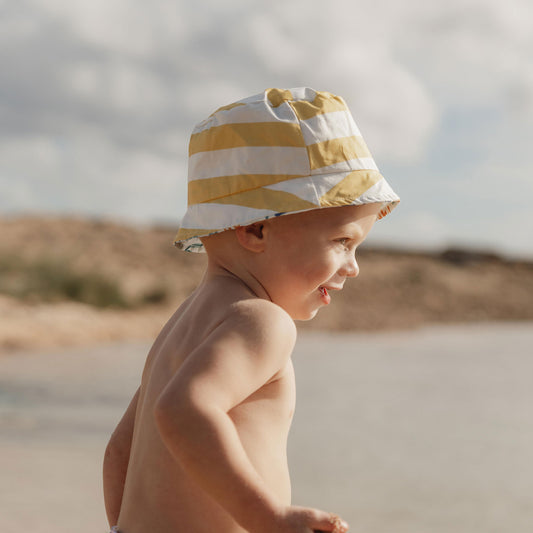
[159, 495]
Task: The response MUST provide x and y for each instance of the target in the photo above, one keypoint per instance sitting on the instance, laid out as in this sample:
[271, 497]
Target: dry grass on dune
[66, 281]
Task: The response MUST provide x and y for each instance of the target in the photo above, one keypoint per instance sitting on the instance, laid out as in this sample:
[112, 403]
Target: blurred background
[97, 101]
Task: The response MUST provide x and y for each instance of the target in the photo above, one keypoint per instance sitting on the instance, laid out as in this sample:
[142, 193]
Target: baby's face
[311, 254]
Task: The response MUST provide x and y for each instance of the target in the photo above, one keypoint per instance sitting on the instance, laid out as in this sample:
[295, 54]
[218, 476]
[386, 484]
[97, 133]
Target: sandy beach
[415, 431]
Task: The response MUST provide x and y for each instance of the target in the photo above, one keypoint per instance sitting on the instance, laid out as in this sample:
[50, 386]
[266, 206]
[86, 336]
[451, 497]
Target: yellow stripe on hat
[187, 233]
[350, 188]
[226, 107]
[334, 151]
[209, 189]
[277, 96]
[323, 103]
[277, 201]
[246, 134]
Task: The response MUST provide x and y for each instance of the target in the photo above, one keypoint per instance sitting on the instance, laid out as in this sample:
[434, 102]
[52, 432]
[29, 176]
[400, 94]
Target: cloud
[98, 98]
[90, 177]
[421, 229]
[474, 52]
[133, 71]
[120, 27]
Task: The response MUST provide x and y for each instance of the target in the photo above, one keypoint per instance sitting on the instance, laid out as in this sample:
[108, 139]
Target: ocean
[410, 431]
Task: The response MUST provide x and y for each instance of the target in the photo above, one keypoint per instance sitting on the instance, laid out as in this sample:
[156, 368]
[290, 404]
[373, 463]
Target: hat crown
[277, 152]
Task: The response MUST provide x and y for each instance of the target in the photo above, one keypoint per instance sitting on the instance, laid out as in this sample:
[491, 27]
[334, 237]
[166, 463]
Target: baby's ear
[251, 237]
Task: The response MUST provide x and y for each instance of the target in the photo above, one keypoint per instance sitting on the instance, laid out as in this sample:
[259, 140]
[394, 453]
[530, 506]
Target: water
[418, 431]
[430, 430]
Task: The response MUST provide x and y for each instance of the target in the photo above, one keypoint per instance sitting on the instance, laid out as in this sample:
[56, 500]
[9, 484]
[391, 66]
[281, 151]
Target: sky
[98, 99]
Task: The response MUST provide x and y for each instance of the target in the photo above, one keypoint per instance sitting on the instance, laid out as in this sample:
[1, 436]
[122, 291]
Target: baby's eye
[343, 241]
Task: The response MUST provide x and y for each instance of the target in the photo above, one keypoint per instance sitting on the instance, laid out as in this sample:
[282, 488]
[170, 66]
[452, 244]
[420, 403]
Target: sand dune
[395, 290]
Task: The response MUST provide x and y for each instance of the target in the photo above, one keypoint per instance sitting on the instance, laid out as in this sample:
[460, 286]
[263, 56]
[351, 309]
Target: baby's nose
[351, 268]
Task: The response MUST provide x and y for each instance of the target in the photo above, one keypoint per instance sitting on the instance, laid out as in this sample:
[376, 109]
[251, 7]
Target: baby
[282, 190]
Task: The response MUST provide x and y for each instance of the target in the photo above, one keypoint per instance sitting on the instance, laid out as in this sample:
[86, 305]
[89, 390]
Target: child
[202, 445]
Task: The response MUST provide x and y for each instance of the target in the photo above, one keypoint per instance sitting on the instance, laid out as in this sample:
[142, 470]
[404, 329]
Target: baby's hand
[307, 520]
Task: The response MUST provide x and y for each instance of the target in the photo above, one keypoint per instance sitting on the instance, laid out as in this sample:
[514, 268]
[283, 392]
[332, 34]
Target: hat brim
[226, 215]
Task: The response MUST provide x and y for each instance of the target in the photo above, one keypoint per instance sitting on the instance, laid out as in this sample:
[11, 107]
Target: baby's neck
[239, 274]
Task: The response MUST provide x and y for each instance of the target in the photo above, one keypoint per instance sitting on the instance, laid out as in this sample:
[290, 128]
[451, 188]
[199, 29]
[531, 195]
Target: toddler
[282, 190]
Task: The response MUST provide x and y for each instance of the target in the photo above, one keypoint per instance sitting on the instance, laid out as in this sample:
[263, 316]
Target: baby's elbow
[180, 419]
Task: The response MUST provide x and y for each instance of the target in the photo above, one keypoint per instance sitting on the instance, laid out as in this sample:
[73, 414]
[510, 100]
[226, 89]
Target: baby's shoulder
[261, 321]
[260, 313]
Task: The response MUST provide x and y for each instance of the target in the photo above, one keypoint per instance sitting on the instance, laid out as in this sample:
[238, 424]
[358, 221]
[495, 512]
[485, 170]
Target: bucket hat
[279, 152]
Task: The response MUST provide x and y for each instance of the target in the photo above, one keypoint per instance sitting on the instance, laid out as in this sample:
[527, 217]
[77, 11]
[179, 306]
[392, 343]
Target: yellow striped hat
[275, 153]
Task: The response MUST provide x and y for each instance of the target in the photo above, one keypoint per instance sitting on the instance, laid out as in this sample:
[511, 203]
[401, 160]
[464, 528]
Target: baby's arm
[246, 351]
[116, 459]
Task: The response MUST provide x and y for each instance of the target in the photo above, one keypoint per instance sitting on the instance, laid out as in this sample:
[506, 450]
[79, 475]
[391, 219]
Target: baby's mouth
[323, 291]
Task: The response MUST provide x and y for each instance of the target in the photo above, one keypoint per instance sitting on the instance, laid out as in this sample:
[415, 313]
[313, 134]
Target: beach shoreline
[410, 431]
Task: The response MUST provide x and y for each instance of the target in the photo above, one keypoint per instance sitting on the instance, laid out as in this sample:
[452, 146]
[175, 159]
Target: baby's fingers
[328, 522]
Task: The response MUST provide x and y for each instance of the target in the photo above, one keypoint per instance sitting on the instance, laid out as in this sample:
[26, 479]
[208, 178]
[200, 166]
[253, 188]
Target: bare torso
[159, 496]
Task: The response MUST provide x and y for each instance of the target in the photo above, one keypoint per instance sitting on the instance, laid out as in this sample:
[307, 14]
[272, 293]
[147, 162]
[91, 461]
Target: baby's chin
[304, 316]
[301, 312]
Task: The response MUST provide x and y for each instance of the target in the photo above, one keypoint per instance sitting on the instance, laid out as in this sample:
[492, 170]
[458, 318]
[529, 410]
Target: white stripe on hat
[380, 192]
[249, 114]
[249, 160]
[197, 214]
[329, 126]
